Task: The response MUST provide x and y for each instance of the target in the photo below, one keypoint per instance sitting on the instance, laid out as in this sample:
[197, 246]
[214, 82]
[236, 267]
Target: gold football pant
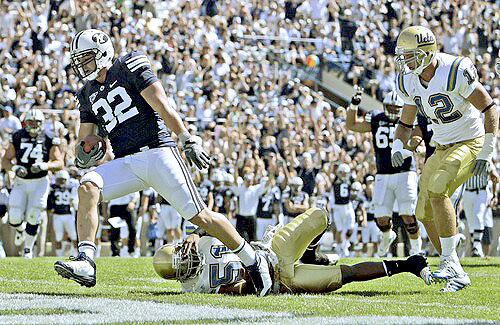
[448, 168]
[290, 243]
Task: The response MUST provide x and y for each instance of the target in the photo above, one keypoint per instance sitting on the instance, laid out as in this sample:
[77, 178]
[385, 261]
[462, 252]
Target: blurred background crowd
[226, 64]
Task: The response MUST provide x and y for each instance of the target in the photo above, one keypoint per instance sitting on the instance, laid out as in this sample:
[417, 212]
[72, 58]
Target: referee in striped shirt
[475, 202]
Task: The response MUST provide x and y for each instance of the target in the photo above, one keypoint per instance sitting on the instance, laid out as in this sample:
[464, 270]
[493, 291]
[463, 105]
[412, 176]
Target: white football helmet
[296, 184]
[393, 105]
[91, 51]
[62, 177]
[33, 121]
[343, 171]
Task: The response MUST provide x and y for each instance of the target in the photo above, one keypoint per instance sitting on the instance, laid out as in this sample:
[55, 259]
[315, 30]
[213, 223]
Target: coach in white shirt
[9, 123]
[248, 200]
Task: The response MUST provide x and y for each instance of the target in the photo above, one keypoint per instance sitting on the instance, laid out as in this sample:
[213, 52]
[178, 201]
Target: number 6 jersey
[443, 101]
[31, 150]
[118, 109]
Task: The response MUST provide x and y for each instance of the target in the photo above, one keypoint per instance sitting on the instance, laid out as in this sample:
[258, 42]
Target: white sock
[246, 253]
[386, 236]
[416, 244]
[88, 248]
[448, 247]
[29, 242]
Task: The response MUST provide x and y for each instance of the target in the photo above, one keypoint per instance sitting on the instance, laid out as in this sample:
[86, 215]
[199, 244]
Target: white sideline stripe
[385, 320]
[104, 310]
[409, 303]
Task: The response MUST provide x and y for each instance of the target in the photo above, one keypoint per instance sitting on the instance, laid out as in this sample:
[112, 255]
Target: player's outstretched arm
[353, 122]
[402, 135]
[156, 97]
[484, 103]
[10, 153]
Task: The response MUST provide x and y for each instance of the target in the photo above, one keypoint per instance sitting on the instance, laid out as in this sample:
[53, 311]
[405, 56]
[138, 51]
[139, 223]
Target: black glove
[356, 98]
[86, 160]
[195, 153]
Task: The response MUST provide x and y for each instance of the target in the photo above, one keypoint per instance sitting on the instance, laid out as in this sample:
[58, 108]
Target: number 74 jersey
[454, 119]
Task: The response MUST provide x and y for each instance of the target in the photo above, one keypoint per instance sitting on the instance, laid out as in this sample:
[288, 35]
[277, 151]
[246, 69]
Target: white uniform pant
[168, 218]
[161, 168]
[28, 199]
[400, 187]
[64, 223]
[370, 233]
[475, 206]
[344, 216]
[262, 224]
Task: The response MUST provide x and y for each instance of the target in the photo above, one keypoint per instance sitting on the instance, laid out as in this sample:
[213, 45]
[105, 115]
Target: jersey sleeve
[86, 114]
[402, 90]
[466, 77]
[138, 70]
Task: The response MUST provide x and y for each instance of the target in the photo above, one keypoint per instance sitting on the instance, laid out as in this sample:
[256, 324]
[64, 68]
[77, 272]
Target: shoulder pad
[135, 60]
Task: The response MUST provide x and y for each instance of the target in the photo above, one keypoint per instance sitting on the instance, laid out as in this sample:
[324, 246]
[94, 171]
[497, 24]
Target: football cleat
[477, 252]
[28, 254]
[385, 244]
[19, 239]
[457, 283]
[80, 269]
[448, 268]
[260, 274]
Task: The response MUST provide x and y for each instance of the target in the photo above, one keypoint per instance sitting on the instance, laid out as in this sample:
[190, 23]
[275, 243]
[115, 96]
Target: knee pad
[31, 229]
[438, 183]
[412, 226]
[34, 215]
[16, 216]
[93, 178]
[384, 228]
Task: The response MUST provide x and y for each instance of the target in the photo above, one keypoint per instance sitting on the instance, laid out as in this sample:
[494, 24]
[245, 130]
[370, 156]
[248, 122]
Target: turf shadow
[156, 293]
[373, 293]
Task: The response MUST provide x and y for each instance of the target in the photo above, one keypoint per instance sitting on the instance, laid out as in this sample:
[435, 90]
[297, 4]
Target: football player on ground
[203, 264]
[445, 89]
[35, 154]
[62, 204]
[124, 100]
[391, 183]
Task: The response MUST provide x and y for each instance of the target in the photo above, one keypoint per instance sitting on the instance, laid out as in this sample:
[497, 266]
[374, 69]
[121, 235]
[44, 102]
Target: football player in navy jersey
[123, 101]
[35, 154]
[391, 183]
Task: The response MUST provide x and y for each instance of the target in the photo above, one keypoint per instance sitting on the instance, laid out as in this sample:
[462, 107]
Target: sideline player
[204, 265]
[124, 100]
[445, 89]
[35, 154]
[392, 184]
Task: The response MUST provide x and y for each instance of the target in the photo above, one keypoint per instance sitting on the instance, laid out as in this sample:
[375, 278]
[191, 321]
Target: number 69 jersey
[118, 109]
[31, 150]
[220, 267]
[454, 119]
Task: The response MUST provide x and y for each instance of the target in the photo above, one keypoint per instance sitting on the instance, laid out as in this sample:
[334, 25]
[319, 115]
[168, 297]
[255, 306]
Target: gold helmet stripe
[452, 75]
[401, 85]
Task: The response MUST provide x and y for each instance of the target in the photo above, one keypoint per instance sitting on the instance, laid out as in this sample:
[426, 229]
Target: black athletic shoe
[260, 274]
[80, 269]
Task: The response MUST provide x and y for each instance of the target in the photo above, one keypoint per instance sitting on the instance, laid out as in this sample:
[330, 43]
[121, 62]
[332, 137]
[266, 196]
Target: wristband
[486, 152]
[184, 136]
[408, 126]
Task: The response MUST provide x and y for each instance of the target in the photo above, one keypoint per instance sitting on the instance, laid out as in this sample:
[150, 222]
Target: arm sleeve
[466, 78]
[86, 114]
[402, 90]
[139, 71]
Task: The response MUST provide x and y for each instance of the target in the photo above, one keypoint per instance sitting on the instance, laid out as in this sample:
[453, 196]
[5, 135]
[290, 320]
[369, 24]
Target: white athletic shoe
[477, 251]
[385, 244]
[80, 269]
[28, 254]
[457, 283]
[137, 252]
[448, 268]
[260, 274]
[19, 239]
[124, 252]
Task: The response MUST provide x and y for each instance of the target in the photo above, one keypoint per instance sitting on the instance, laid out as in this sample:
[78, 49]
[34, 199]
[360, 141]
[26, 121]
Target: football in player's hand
[90, 141]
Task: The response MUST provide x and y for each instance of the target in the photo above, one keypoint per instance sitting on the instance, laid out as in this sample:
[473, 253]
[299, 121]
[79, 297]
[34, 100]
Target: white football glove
[39, 166]
[399, 153]
[193, 150]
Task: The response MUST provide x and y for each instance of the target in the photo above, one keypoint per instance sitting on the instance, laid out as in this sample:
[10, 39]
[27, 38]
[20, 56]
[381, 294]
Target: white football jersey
[454, 119]
[220, 267]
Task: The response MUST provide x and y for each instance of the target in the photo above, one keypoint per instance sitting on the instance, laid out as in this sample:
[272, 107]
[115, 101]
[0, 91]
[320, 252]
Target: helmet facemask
[392, 112]
[34, 127]
[86, 63]
[412, 61]
[186, 267]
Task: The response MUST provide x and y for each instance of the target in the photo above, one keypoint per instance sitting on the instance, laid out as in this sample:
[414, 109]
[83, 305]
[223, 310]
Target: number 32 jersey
[118, 109]
[454, 119]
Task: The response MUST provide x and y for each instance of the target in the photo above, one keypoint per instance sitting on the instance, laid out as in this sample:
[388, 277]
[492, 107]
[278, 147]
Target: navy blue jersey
[425, 127]
[60, 199]
[118, 109]
[296, 198]
[31, 150]
[265, 209]
[222, 196]
[205, 188]
[341, 191]
[383, 135]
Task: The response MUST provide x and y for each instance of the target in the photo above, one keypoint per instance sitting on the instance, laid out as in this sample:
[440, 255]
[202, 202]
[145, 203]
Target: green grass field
[134, 280]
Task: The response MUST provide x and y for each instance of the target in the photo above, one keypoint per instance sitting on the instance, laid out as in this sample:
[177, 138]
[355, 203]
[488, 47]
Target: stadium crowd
[259, 123]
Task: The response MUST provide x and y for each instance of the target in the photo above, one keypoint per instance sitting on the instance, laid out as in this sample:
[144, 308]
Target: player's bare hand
[481, 166]
[190, 243]
[20, 171]
[195, 154]
[38, 167]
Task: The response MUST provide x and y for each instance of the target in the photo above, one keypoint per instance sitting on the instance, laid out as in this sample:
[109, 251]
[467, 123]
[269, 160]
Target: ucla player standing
[446, 90]
[391, 183]
[124, 100]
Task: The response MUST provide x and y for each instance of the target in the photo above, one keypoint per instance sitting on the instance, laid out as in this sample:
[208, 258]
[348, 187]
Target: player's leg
[124, 231]
[478, 223]
[406, 196]
[58, 226]
[17, 209]
[35, 211]
[383, 199]
[349, 224]
[70, 227]
[169, 176]
[130, 239]
[291, 241]
[109, 180]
